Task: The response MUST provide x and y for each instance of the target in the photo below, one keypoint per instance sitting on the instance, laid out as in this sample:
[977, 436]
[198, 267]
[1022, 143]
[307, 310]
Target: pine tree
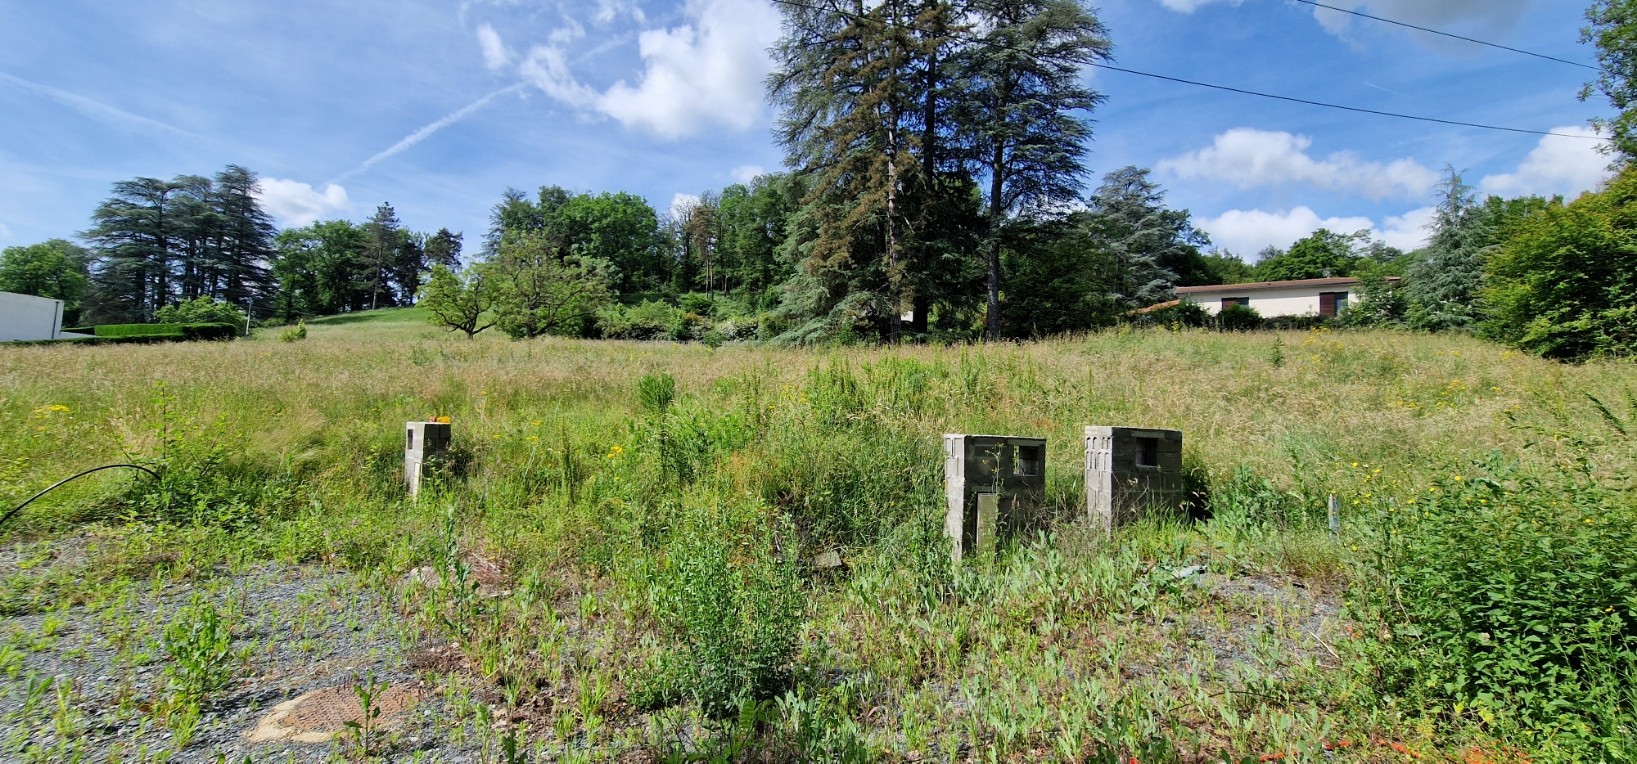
[1442, 287]
[852, 83]
[443, 248]
[1128, 220]
[1023, 111]
[384, 237]
[134, 236]
[244, 247]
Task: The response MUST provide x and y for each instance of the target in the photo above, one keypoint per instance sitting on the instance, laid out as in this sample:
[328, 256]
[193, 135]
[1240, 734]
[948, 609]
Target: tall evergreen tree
[383, 242]
[134, 234]
[852, 84]
[443, 248]
[1128, 220]
[1023, 111]
[158, 242]
[244, 246]
[1442, 287]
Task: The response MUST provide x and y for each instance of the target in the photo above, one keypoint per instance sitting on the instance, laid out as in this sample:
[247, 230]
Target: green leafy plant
[364, 731]
[200, 310]
[198, 643]
[733, 602]
[295, 333]
[1509, 599]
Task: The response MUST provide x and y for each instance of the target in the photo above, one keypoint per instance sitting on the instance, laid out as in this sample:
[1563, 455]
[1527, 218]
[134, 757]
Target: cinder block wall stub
[1130, 472]
[993, 485]
[425, 446]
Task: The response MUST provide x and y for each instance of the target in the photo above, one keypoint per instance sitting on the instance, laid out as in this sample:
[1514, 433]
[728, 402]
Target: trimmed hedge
[210, 331]
[169, 331]
[139, 330]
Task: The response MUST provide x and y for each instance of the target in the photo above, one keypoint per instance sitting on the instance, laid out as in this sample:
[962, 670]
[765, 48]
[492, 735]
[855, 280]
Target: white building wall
[1274, 302]
[26, 317]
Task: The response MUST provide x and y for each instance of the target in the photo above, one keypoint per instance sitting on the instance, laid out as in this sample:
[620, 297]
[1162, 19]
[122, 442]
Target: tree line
[935, 189]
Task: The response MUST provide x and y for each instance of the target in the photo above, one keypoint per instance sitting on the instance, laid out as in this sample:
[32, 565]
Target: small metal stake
[1335, 515]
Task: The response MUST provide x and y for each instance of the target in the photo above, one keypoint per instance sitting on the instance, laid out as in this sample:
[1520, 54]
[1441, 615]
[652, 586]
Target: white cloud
[708, 70]
[682, 203]
[1557, 165]
[547, 68]
[1248, 158]
[746, 173]
[5, 233]
[1409, 230]
[298, 204]
[1188, 6]
[609, 10]
[1485, 19]
[1247, 232]
[570, 31]
[495, 52]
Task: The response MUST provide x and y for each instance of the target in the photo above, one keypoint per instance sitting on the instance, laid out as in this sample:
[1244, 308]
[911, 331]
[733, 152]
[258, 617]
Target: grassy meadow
[619, 551]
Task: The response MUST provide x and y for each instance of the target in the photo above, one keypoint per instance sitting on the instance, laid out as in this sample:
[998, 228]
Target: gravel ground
[80, 683]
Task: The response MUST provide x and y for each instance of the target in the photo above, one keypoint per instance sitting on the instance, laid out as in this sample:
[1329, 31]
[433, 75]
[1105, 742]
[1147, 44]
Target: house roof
[1259, 285]
[1156, 306]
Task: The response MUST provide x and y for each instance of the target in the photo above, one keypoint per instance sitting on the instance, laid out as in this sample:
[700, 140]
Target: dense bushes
[1565, 285]
[200, 310]
[1511, 599]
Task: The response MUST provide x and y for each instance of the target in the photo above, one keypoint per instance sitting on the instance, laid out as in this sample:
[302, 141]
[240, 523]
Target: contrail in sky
[422, 134]
[95, 109]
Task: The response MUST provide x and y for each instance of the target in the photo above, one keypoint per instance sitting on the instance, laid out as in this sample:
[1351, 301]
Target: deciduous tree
[537, 291]
[54, 269]
[459, 301]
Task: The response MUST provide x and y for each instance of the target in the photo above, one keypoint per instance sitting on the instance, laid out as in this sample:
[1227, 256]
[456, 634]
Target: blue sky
[438, 105]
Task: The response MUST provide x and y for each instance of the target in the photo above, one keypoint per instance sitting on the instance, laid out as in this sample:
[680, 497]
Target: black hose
[58, 484]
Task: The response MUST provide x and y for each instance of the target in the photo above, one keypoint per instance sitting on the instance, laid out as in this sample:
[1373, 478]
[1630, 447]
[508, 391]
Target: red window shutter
[1327, 304]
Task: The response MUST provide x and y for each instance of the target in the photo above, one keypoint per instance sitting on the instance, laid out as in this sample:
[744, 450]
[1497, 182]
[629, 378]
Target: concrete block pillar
[426, 444]
[993, 485]
[1131, 472]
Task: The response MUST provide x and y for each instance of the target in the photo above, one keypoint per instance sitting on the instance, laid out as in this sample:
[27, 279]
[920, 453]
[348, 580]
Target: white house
[1304, 297]
[26, 317]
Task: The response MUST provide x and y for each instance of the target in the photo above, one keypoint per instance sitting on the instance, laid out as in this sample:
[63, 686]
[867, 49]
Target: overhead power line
[1364, 15]
[1357, 109]
[1242, 91]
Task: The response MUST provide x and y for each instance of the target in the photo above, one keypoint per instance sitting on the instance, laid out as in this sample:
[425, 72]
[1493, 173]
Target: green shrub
[695, 302]
[200, 310]
[198, 643]
[1295, 323]
[205, 478]
[1238, 318]
[1250, 501]
[294, 333]
[212, 331]
[733, 602]
[215, 331]
[651, 320]
[1511, 599]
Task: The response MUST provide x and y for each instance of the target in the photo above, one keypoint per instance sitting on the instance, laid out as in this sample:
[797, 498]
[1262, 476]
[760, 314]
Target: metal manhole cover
[322, 714]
